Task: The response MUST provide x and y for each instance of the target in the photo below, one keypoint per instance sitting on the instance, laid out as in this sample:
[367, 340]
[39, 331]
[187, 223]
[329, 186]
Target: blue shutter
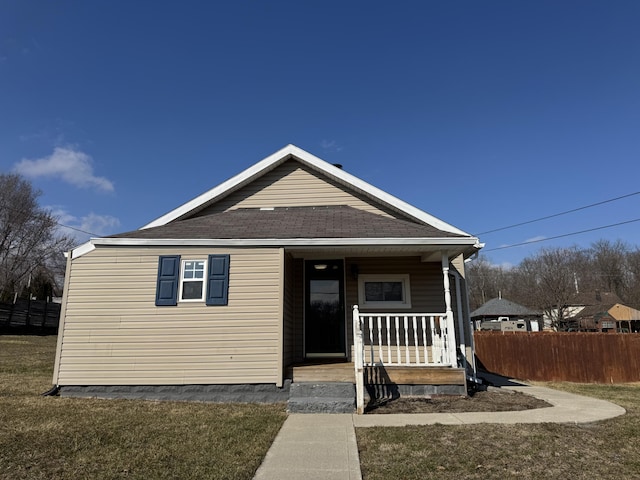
[168, 276]
[218, 280]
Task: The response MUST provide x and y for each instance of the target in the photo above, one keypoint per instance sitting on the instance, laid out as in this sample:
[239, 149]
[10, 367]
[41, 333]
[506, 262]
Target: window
[192, 280]
[384, 291]
[198, 280]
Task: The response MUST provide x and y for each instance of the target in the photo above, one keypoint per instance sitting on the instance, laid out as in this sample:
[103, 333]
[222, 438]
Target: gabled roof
[299, 226]
[291, 222]
[499, 307]
[595, 311]
[616, 311]
[292, 152]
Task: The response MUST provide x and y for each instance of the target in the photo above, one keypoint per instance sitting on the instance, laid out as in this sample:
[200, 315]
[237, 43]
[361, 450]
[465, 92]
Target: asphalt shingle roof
[499, 307]
[594, 311]
[595, 298]
[291, 222]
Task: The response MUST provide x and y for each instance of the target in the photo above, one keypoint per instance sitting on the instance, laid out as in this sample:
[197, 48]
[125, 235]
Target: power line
[77, 229]
[558, 214]
[14, 209]
[562, 236]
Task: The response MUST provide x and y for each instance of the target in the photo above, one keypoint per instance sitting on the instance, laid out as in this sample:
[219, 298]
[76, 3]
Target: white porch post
[461, 318]
[358, 360]
[451, 331]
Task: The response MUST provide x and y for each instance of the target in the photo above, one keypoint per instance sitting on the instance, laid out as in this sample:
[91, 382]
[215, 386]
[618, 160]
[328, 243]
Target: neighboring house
[253, 284]
[504, 315]
[606, 318]
[579, 302]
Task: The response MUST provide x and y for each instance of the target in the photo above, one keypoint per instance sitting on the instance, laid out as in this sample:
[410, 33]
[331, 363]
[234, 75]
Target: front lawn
[66, 438]
[603, 450]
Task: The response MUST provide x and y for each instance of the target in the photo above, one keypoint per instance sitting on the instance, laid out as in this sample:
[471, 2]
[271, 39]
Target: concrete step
[321, 397]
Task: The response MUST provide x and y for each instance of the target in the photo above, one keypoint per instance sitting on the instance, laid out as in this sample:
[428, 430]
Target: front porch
[403, 333]
[394, 355]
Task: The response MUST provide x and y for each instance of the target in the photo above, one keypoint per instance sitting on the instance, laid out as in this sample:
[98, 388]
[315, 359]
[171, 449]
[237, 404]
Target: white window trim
[406, 291]
[182, 280]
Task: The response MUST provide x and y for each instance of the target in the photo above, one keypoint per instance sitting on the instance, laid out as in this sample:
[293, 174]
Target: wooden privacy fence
[561, 356]
[30, 316]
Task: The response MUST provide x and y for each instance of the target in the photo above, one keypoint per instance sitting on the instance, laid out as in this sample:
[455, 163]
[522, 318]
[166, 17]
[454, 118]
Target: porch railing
[400, 339]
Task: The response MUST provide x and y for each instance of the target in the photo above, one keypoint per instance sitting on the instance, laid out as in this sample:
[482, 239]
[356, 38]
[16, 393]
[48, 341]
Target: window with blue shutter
[218, 280]
[168, 276]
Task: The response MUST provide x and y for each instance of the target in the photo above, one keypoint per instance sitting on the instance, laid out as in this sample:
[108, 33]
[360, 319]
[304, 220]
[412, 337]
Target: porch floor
[381, 375]
[323, 372]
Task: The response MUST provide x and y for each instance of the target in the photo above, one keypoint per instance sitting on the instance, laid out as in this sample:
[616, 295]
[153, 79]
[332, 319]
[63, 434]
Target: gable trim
[279, 242]
[279, 157]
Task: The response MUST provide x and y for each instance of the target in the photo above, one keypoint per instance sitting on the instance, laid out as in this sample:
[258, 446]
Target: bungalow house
[292, 271]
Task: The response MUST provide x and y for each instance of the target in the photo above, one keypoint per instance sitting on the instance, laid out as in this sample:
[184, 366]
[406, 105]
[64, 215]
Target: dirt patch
[486, 401]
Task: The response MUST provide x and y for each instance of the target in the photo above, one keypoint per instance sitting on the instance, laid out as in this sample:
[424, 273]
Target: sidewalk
[567, 408]
[313, 446]
[323, 446]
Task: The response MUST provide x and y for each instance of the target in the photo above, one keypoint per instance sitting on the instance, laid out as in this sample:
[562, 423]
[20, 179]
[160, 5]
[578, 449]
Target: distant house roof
[616, 311]
[290, 222]
[499, 307]
[595, 311]
[595, 298]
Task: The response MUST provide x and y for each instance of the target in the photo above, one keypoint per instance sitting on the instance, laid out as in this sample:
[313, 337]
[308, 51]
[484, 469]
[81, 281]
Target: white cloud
[330, 145]
[71, 165]
[83, 228]
[99, 224]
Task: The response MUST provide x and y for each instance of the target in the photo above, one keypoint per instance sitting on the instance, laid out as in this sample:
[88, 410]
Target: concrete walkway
[313, 446]
[323, 446]
[567, 408]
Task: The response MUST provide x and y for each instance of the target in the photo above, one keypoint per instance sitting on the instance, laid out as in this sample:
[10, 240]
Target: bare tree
[608, 263]
[548, 280]
[487, 281]
[632, 292]
[29, 241]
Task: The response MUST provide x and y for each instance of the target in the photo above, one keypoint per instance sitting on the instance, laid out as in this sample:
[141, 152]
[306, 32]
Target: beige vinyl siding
[294, 185]
[288, 309]
[298, 311]
[113, 334]
[425, 279]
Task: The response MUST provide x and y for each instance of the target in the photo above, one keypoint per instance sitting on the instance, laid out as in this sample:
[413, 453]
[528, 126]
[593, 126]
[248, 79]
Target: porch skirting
[377, 392]
[242, 393]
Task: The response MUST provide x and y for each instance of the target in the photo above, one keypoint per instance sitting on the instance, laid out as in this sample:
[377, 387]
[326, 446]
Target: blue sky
[482, 113]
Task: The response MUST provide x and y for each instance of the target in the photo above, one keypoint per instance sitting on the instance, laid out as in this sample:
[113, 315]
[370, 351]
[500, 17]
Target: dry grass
[64, 438]
[603, 450]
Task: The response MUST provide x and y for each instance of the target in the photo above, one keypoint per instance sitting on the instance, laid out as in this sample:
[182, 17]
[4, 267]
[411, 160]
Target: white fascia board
[279, 242]
[374, 192]
[245, 176]
[316, 163]
[82, 249]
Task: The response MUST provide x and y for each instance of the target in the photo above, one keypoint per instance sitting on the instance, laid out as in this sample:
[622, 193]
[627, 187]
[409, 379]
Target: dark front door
[324, 309]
